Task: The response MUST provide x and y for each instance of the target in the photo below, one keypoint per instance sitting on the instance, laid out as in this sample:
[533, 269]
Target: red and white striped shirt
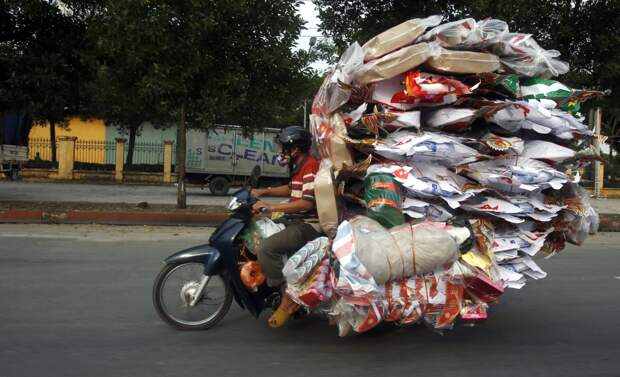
[302, 182]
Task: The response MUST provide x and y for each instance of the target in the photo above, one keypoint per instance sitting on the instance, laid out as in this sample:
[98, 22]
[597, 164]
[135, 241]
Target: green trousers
[284, 243]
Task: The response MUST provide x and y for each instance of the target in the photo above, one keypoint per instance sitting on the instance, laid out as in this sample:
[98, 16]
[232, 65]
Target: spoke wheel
[175, 288]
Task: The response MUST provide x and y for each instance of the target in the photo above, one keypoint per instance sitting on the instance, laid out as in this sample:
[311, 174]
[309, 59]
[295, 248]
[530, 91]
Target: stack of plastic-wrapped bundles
[447, 154]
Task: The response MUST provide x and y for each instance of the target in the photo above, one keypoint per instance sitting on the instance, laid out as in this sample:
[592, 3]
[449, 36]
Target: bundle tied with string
[404, 250]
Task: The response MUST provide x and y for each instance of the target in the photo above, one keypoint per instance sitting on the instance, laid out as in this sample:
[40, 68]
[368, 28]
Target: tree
[211, 61]
[40, 53]
[120, 93]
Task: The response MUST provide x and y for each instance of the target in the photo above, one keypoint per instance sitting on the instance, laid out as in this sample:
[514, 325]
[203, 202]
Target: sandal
[283, 313]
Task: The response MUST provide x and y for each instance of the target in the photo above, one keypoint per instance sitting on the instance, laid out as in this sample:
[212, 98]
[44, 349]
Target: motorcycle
[196, 287]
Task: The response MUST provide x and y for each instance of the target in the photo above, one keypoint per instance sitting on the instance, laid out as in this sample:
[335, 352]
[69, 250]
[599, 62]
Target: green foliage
[132, 61]
[40, 60]
[227, 62]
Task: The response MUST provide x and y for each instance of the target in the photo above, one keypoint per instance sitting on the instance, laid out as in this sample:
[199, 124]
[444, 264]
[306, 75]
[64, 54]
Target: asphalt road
[76, 302]
[105, 193]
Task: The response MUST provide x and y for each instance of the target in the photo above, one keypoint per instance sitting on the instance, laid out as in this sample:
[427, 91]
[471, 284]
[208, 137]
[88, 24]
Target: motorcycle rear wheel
[173, 289]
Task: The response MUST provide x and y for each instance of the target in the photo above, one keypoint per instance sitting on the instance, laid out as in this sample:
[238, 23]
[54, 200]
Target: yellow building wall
[91, 131]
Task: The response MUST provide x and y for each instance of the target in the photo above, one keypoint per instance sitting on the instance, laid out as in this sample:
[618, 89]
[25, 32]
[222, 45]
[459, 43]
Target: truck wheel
[14, 174]
[219, 186]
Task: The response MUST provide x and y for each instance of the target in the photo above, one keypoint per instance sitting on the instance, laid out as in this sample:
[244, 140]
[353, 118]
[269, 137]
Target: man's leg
[283, 243]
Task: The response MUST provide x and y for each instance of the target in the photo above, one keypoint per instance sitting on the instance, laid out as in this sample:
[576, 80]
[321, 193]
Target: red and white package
[318, 288]
[483, 288]
[418, 89]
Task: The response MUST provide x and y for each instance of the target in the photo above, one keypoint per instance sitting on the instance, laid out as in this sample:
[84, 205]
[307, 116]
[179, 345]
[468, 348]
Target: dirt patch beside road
[109, 213]
[114, 207]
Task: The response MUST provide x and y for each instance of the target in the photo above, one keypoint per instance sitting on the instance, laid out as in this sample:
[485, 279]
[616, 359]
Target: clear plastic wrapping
[397, 37]
[467, 34]
[521, 54]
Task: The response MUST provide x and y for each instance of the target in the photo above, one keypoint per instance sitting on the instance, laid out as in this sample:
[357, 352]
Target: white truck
[223, 156]
[14, 130]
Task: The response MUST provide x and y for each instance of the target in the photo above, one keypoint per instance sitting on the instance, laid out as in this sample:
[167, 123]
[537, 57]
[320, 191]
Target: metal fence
[148, 153]
[40, 149]
[95, 151]
[101, 152]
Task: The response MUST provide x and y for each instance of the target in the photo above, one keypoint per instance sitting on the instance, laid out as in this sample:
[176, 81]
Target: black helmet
[295, 136]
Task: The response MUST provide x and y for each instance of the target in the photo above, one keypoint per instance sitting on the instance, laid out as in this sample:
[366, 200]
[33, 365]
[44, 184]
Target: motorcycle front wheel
[175, 291]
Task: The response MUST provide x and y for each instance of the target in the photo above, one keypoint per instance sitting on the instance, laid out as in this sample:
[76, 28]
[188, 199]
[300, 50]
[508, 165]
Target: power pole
[305, 115]
[181, 145]
[599, 169]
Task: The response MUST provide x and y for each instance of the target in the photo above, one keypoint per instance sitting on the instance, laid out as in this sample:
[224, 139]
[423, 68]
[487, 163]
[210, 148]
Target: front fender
[207, 254]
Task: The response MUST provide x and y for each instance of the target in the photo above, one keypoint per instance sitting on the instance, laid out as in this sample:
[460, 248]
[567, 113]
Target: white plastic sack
[515, 175]
[547, 151]
[343, 72]
[420, 209]
[426, 147]
[450, 119]
[539, 116]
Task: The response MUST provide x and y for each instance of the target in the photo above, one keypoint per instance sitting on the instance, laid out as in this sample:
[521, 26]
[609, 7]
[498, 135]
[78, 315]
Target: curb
[113, 218]
[609, 222]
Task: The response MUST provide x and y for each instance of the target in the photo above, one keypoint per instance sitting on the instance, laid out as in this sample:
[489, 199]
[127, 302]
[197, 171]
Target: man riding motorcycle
[300, 216]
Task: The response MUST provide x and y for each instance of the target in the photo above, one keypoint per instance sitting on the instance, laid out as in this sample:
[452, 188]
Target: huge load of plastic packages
[450, 161]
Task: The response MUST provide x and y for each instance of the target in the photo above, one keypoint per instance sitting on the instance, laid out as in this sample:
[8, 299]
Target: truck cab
[224, 156]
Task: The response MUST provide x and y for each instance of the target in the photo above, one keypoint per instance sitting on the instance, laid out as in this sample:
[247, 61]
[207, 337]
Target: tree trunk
[53, 139]
[132, 143]
[181, 194]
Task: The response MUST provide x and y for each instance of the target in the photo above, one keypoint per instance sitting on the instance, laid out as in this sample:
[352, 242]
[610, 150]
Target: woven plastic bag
[403, 251]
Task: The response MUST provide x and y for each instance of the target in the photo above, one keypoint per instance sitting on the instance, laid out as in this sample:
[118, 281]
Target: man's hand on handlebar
[260, 207]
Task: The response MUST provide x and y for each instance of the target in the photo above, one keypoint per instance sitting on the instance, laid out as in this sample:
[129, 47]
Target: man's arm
[297, 206]
[283, 191]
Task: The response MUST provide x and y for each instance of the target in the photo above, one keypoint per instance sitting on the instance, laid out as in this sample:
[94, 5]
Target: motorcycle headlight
[233, 204]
